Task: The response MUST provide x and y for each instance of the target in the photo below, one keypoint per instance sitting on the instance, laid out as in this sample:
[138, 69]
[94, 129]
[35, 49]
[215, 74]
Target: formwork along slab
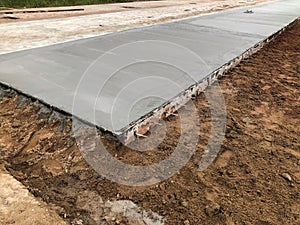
[121, 81]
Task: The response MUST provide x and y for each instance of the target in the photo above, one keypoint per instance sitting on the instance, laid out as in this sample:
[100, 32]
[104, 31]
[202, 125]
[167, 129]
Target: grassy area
[3, 8]
[48, 3]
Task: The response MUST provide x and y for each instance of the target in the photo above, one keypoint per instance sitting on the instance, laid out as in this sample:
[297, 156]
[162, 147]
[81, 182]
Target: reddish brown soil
[255, 179]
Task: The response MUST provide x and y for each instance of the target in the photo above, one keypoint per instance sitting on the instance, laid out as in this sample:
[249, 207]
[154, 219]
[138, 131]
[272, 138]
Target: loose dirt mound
[255, 179]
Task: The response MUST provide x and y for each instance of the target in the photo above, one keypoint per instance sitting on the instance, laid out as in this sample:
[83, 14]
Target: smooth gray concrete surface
[113, 80]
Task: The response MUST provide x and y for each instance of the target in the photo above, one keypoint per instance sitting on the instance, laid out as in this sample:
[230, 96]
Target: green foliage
[48, 3]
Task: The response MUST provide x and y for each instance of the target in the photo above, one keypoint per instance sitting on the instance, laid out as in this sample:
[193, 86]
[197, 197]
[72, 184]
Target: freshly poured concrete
[113, 80]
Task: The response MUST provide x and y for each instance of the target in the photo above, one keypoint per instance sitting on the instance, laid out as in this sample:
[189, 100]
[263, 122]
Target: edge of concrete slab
[141, 126]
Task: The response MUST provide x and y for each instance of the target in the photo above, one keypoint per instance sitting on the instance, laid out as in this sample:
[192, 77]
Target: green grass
[49, 3]
[3, 8]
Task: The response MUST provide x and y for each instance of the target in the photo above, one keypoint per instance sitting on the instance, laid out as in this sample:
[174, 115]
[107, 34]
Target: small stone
[184, 203]
[287, 177]
[268, 138]
[44, 113]
[186, 222]
[77, 222]
[212, 209]
[21, 100]
[195, 194]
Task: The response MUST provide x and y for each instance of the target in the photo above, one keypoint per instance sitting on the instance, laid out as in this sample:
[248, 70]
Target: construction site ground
[254, 180]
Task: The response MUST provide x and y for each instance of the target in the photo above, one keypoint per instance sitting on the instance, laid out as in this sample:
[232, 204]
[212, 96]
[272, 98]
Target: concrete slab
[113, 80]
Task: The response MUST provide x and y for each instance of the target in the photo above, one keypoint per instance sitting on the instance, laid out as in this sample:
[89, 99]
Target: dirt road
[255, 179]
[24, 33]
[17, 15]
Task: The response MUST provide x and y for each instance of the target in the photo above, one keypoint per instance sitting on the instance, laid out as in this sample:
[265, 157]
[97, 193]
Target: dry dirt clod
[212, 209]
[184, 203]
[186, 222]
[296, 177]
[287, 177]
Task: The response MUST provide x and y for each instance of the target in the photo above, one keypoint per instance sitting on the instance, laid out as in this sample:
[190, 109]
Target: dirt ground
[33, 30]
[13, 15]
[254, 181]
[18, 206]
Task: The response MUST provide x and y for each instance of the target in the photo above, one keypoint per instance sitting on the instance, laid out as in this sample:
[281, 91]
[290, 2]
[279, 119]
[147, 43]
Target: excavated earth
[255, 179]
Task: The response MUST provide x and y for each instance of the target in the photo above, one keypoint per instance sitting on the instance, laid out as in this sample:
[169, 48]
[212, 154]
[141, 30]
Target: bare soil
[254, 181]
[32, 30]
[18, 206]
[28, 14]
